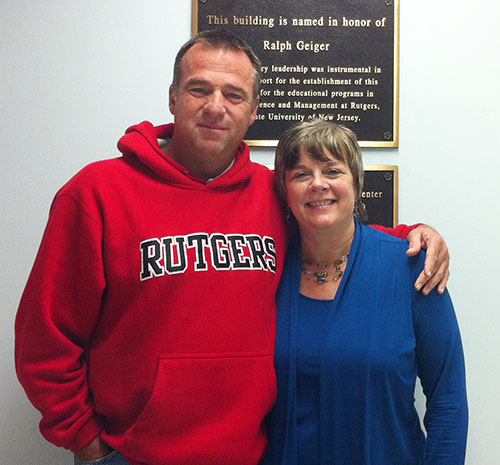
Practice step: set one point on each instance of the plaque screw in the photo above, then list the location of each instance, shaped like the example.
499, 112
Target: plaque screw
387, 2
388, 176
387, 135
205, 1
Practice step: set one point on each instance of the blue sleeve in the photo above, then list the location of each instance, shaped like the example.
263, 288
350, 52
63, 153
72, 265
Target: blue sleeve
441, 371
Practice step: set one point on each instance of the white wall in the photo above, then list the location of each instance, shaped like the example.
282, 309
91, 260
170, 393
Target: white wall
76, 74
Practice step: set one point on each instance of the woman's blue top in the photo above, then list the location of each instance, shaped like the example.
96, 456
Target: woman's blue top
312, 314
379, 334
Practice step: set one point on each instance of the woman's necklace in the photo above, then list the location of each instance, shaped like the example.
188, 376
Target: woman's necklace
321, 276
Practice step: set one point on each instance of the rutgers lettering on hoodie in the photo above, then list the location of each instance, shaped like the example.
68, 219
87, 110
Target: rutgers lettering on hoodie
149, 315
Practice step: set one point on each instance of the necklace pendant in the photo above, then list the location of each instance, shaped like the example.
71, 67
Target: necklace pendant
341, 260
337, 275
321, 277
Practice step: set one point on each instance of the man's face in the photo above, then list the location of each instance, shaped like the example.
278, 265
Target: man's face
213, 106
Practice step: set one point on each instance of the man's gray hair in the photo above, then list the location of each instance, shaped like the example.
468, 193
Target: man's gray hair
219, 38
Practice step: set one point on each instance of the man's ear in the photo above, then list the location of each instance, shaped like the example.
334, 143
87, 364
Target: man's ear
253, 115
172, 98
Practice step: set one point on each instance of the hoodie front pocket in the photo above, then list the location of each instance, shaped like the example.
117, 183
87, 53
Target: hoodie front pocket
205, 409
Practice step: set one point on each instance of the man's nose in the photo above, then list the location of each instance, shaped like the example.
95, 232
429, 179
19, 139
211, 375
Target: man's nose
214, 107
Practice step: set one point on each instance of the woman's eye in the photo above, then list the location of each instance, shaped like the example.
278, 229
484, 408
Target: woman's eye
299, 175
333, 172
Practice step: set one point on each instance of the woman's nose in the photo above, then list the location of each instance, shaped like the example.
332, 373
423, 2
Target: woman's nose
318, 182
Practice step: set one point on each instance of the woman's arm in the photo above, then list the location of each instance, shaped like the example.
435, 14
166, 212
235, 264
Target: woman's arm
442, 373
421, 236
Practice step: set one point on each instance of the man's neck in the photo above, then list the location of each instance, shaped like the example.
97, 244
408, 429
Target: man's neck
208, 177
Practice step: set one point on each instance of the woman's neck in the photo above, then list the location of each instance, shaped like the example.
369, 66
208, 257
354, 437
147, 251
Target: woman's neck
328, 245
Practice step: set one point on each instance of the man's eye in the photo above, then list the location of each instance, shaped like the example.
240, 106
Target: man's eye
198, 91
234, 97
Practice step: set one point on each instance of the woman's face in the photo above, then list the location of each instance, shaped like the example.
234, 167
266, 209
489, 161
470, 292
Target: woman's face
321, 194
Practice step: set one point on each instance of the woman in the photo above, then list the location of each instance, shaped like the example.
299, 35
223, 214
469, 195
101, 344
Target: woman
353, 334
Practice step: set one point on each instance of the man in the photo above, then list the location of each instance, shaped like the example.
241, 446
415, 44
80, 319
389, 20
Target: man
147, 324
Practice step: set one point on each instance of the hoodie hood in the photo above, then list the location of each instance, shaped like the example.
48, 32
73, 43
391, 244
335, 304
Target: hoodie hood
141, 142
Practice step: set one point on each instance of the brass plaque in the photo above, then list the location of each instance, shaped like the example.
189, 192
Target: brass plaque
380, 194
336, 60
